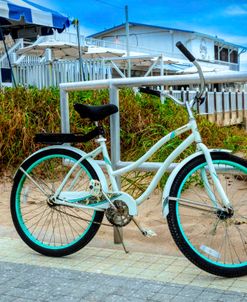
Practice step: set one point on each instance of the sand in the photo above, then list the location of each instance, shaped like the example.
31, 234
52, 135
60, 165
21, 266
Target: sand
149, 217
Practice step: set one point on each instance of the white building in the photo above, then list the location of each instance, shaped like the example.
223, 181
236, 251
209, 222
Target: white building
211, 51
152, 52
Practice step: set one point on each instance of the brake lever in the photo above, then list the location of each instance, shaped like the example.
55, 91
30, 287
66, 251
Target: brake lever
202, 100
199, 100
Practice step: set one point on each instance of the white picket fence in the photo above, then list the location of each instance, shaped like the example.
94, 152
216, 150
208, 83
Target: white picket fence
224, 108
46, 74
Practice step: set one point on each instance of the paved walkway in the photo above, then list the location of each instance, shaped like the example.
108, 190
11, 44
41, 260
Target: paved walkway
95, 274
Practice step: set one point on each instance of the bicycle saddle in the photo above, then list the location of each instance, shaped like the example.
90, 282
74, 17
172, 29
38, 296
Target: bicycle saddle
95, 113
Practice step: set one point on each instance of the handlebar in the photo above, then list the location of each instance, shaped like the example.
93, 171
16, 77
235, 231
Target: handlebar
158, 93
199, 97
147, 90
185, 51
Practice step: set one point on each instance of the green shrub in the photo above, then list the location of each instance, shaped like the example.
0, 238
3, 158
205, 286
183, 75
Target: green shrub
24, 112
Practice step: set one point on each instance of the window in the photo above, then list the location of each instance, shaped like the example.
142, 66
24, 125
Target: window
234, 57
216, 54
223, 54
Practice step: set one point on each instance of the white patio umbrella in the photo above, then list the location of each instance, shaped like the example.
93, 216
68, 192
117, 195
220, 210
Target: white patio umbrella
23, 18
60, 50
101, 52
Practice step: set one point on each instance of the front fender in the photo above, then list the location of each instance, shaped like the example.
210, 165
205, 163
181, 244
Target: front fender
175, 172
81, 153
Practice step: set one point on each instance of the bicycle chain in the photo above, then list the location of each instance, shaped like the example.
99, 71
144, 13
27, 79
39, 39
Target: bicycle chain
84, 219
105, 224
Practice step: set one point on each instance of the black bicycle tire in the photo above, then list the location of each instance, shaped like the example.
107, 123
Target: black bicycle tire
174, 225
94, 225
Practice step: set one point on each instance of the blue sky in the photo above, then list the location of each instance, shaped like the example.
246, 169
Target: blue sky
226, 19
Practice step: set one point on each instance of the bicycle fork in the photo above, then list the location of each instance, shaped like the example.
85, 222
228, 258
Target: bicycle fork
211, 168
227, 204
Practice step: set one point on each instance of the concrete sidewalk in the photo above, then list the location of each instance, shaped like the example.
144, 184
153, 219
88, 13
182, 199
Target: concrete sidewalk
95, 274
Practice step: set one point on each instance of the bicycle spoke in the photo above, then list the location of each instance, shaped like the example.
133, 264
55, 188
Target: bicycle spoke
216, 233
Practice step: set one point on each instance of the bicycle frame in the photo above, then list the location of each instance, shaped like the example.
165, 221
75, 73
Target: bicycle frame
193, 137
205, 227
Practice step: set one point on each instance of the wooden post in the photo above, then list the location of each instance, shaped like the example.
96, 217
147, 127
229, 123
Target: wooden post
206, 104
237, 109
244, 107
187, 94
182, 94
230, 106
215, 106
223, 107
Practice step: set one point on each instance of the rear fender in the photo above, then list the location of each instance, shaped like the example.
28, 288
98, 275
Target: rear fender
175, 172
81, 153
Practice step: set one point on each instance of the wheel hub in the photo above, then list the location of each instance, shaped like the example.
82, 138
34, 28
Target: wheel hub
225, 213
51, 202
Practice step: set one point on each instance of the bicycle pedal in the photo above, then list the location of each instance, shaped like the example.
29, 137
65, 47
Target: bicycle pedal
148, 233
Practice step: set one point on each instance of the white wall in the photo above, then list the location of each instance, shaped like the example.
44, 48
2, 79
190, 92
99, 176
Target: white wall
165, 41
203, 48
154, 40
149, 38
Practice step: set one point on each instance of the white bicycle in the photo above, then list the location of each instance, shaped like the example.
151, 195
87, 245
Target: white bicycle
60, 195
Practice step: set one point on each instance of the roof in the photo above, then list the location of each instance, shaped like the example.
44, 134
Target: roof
136, 24
215, 38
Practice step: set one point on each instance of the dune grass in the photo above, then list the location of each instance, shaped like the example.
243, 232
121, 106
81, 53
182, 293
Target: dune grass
144, 120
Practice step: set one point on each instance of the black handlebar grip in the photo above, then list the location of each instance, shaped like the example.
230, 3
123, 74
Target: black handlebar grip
185, 51
149, 91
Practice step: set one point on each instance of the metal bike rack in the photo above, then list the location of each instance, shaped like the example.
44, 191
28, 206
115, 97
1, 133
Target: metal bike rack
115, 84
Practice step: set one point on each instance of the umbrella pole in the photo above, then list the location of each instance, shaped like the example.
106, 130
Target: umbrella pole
76, 23
7, 54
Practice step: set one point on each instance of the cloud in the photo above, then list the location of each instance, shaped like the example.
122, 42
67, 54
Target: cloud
236, 10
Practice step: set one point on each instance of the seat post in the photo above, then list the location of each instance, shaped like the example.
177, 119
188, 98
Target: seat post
100, 128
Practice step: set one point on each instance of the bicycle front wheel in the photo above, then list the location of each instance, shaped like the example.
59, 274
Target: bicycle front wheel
50, 229
212, 238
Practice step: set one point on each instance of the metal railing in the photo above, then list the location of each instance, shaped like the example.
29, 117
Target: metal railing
4, 63
115, 84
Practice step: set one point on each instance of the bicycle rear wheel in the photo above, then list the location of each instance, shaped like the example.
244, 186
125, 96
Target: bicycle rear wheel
213, 239
53, 230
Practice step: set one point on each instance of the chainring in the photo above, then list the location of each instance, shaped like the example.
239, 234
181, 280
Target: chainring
118, 214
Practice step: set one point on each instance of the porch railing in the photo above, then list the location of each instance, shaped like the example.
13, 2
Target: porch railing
224, 108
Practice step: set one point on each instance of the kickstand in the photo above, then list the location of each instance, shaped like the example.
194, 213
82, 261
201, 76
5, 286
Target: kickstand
121, 239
